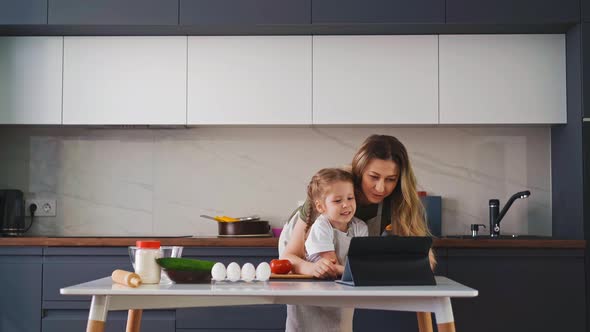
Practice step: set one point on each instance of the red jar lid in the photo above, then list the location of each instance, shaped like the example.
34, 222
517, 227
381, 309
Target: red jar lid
148, 244
422, 194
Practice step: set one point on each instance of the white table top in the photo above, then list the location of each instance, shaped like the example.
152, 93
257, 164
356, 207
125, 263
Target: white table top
444, 288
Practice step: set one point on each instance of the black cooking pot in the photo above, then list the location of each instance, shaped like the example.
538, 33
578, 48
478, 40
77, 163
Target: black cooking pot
244, 228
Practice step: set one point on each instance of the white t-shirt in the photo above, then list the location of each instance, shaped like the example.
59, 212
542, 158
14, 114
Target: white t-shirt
321, 236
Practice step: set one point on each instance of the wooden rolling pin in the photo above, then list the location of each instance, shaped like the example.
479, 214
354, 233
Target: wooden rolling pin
126, 278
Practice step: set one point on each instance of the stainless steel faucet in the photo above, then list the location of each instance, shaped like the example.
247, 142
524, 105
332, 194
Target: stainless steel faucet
496, 217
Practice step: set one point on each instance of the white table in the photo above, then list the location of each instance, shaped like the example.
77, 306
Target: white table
107, 295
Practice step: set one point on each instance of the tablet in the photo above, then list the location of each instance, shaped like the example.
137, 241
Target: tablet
388, 261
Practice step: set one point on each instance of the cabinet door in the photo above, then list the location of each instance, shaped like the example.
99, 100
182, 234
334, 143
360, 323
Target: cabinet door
31, 85
65, 267
249, 80
502, 79
76, 320
231, 12
378, 11
513, 11
519, 290
113, 12
23, 11
375, 80
20, 286
124, 80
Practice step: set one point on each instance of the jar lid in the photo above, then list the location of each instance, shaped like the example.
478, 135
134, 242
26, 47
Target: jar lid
148, 244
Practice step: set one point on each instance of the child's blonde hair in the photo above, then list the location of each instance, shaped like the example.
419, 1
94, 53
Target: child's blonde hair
318, 187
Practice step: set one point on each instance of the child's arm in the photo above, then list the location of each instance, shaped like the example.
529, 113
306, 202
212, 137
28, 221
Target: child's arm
295, 252
331, 256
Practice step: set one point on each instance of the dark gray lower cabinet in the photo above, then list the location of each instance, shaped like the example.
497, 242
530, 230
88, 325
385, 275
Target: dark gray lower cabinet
65, 320
254, 317
243, 318
64, 267
520, 289
68, 266
20, 289
381, 320
226, 330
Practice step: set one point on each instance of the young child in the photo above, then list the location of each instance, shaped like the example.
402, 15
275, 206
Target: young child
331, 192
331, 224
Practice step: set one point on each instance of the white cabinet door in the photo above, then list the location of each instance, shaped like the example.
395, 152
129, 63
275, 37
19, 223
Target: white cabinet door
497, 79
124, 80
30, 80
249, 80
375, 80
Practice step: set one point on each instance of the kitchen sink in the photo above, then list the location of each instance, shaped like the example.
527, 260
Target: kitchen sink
501, 237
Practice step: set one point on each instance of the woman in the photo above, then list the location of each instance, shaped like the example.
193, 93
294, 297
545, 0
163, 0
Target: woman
385, 189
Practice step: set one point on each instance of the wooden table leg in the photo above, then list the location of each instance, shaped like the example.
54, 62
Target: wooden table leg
98, 313
446, 327
424, 321
134, 320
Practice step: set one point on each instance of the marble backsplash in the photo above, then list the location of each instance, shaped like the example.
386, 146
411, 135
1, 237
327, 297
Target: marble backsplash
140, 181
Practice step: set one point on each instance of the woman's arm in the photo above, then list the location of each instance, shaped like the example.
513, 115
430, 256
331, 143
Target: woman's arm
295, 252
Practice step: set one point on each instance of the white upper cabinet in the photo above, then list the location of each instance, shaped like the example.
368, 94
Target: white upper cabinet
30, 80
124, 80
249, 80
502, 79
375, 79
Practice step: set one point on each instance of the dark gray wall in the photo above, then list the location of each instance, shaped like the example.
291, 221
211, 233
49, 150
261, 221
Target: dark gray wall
566, 151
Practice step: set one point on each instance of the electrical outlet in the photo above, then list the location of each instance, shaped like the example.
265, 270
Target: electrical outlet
45, 207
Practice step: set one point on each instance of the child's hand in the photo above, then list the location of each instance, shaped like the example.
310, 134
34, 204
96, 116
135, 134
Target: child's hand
325, 268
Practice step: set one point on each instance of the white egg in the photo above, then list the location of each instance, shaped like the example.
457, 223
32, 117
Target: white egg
218, 272
248, 272
233, 271
263, 271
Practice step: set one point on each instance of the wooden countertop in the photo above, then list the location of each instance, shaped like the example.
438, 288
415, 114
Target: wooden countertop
272, 242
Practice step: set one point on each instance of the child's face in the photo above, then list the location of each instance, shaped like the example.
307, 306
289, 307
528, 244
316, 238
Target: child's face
339, 204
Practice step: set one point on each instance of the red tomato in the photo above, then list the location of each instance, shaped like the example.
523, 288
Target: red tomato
280, 266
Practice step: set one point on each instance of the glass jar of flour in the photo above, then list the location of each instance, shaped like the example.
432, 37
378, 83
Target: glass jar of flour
145, 261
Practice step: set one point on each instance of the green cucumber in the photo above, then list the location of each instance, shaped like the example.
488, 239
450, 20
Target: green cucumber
185, 264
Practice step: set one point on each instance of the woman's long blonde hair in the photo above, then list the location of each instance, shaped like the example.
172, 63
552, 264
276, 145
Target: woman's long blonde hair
407, 211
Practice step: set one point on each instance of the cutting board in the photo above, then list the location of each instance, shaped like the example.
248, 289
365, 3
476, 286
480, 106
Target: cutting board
290, 276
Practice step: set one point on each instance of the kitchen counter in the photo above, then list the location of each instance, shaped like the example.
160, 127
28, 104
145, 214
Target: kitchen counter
272, 242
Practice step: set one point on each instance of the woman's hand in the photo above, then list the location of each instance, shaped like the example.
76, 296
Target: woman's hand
325, 269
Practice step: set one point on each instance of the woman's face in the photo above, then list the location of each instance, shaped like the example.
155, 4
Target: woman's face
379, 180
